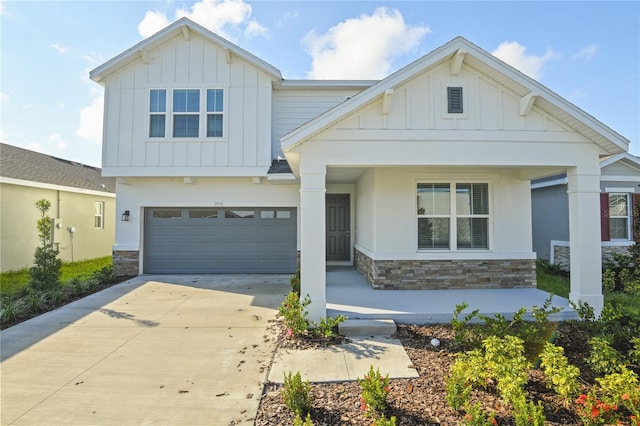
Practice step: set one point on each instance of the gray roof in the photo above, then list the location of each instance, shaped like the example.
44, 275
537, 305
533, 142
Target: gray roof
22, 164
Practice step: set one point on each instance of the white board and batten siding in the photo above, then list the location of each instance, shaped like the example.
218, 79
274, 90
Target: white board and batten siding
182, 64
421, 104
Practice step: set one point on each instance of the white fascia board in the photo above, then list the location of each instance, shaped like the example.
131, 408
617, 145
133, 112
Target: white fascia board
282, 179
554, 182
41, 185
185, 171
323, 84
133, 53
632, 160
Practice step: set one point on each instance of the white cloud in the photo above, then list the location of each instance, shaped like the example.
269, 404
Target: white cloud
90, 126
218, 16
516, 55
287, 18
152, 23
587, 53
363, 47
56, 140
60, 48
255, 29
4, 97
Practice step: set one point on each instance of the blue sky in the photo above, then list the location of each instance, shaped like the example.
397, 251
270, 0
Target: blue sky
587, 52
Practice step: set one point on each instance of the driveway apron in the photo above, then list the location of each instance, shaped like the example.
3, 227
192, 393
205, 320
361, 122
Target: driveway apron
172, 350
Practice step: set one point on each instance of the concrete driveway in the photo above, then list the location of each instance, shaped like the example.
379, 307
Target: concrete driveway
171, 350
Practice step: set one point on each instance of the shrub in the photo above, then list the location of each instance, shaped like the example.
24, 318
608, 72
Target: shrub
328, 327
383, 421
375, 389
294, 281
467, 372
593, 411
562, 377
465, 336
294, 314
603, 358
299, 422
11, 310
528, 413
296, 394
475, 416
45, 273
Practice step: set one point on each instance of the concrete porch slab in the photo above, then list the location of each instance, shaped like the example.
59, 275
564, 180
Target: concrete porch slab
349, 294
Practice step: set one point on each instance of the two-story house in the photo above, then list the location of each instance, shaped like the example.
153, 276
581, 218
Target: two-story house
421, 180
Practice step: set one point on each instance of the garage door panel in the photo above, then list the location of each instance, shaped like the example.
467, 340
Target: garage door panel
220, 240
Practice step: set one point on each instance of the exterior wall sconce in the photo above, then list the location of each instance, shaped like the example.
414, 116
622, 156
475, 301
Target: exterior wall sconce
125, 216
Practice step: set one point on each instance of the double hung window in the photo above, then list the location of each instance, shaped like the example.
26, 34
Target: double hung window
619, 216
453, 216
194, 113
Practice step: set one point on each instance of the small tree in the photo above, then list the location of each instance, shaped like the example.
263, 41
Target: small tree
45, 274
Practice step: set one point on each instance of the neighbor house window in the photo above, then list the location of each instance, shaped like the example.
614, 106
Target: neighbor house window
157, 113
186, 113
453, 216
619, 216
98, 216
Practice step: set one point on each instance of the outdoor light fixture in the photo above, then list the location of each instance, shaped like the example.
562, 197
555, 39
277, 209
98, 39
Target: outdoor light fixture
125, 216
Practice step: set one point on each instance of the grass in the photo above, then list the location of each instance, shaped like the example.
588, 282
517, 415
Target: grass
553, 284
12, 282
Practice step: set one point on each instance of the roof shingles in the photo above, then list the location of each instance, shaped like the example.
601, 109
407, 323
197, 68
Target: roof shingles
22, 164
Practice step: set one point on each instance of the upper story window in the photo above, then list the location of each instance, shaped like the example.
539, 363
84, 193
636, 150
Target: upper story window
195, 113
186, 113
98, 215
453, 216
214, 112
157, 113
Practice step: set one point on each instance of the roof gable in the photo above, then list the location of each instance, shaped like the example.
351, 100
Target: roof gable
457, 52
181, 28
621, 164
25, 165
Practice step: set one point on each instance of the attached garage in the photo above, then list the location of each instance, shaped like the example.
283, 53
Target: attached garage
219, 240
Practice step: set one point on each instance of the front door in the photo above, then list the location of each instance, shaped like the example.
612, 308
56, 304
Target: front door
338, 227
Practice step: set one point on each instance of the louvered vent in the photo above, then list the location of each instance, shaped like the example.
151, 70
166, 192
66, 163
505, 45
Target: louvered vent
454, 95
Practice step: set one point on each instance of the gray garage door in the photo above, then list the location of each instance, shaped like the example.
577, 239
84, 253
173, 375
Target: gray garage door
220, 240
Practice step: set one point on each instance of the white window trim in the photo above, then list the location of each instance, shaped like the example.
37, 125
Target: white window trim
629, 215
202, 114
101, 215
452, 216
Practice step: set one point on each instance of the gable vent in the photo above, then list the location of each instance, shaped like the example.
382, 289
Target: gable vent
454, 96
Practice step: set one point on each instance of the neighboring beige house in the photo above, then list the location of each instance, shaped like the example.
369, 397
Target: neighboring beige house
82, 206
420, 180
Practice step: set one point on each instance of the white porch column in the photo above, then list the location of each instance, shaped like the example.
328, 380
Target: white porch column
584, 236
312, 238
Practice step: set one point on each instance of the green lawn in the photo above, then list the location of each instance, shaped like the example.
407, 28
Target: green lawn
12, 282
554, 284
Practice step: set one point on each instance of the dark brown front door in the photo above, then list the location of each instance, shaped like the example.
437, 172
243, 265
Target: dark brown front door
338, 227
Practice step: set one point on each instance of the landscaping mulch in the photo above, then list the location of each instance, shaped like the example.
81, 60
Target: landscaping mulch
421, 401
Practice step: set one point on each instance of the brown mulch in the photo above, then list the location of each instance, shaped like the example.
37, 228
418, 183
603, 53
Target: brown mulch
421, 401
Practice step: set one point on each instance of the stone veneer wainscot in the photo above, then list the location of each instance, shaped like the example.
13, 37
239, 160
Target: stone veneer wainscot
126, 262
446, 274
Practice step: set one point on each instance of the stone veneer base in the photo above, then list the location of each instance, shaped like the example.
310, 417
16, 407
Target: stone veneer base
446, 274
126, 262
561, 254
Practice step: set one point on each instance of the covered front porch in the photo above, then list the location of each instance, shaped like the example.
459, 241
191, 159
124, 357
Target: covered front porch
349, 294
